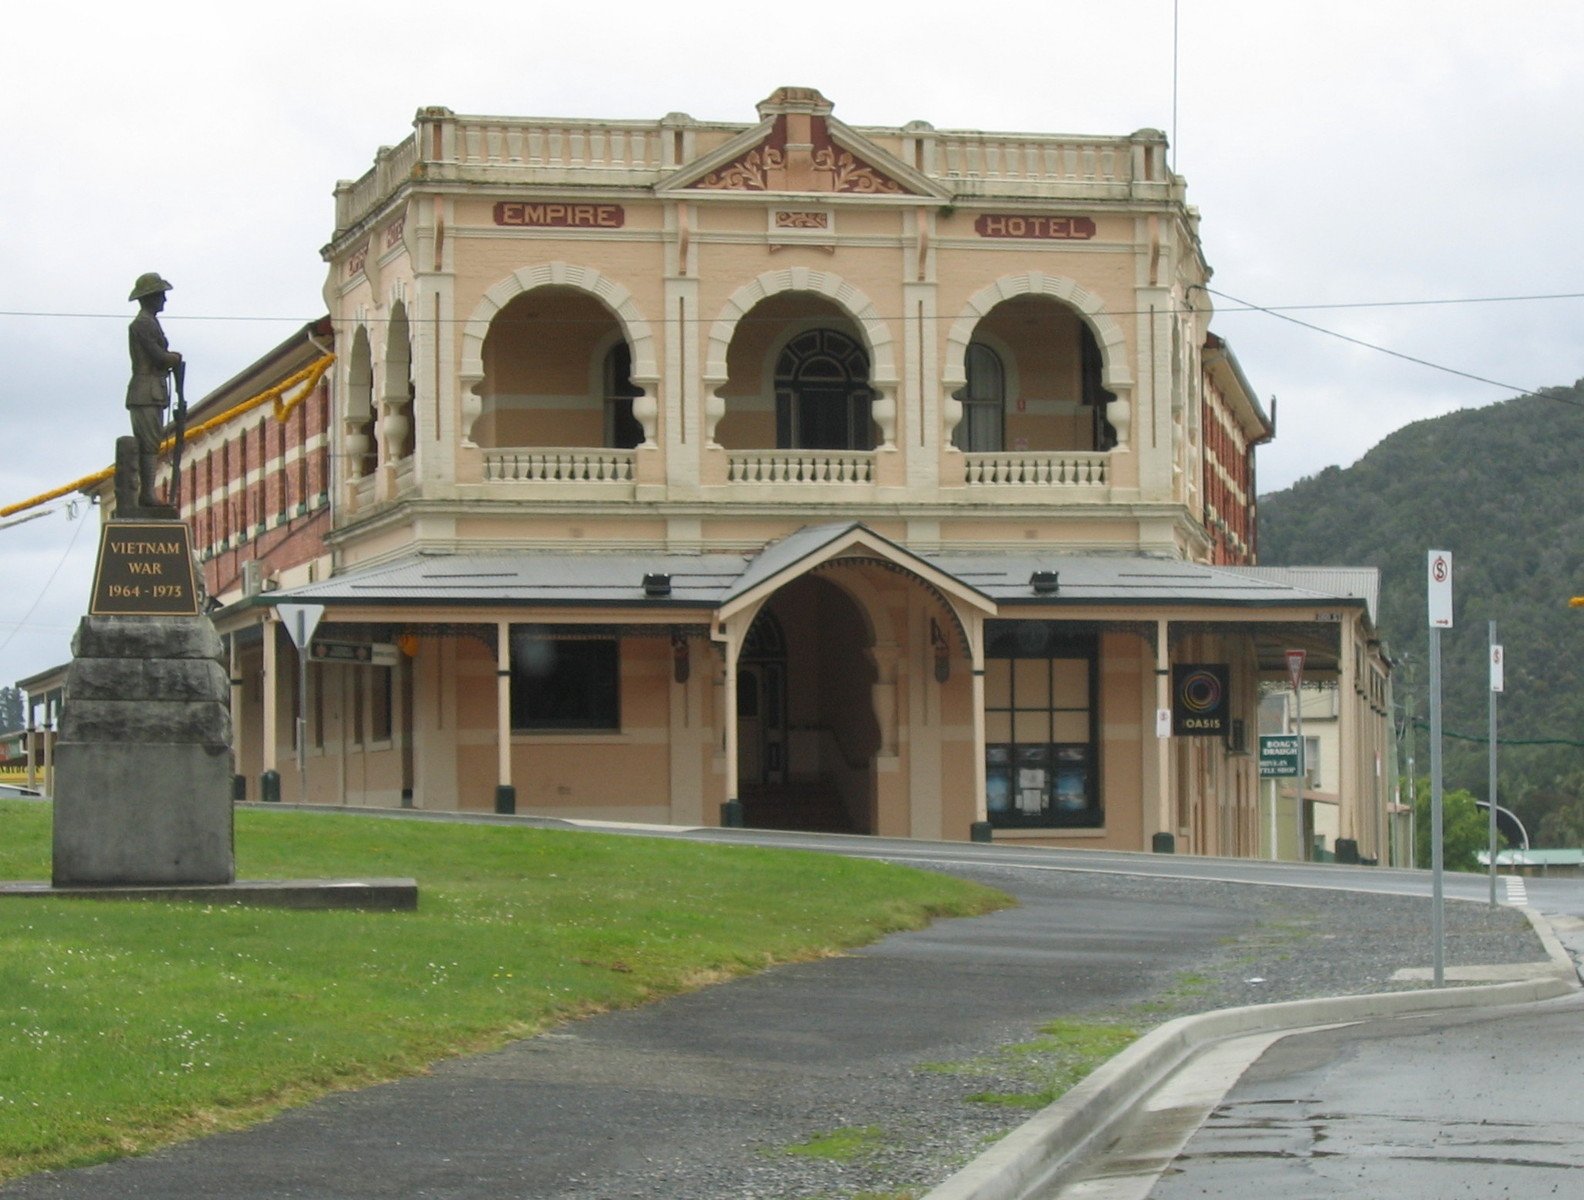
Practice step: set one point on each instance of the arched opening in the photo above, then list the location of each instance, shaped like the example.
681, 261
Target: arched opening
557, 372
822, 393
397, 425
1045, 381
807, 731
983, 425
799, 379
623, 431
359, 420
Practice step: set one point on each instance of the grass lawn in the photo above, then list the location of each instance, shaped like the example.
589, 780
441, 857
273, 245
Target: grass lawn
129, 1025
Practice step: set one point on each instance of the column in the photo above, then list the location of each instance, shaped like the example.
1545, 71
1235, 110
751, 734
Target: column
1165, 819
505, 793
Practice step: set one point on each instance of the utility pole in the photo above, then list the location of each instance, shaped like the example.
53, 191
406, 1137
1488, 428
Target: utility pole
1495, 687
1439, 607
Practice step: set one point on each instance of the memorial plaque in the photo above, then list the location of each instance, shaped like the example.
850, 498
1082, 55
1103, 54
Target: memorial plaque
145, 569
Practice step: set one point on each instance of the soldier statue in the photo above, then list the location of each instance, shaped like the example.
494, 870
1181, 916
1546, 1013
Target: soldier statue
149, 394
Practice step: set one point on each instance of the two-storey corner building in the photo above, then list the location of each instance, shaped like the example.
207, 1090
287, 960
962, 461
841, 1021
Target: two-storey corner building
811, 475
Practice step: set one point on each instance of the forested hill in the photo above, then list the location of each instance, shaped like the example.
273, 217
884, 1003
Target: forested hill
1500, 487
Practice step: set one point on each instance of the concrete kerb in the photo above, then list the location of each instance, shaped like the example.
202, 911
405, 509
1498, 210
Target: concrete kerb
1045, 1150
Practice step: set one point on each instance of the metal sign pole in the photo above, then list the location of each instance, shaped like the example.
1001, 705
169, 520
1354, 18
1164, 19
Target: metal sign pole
1439, 607
1436, 912
302, 708
1271, 794
1495, 686
301, 620
1295, 666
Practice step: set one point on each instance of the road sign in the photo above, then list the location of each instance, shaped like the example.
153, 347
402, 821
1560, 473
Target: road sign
362, 653
300, 620
1279, 756
1496, 669
1440, 589
1295, 666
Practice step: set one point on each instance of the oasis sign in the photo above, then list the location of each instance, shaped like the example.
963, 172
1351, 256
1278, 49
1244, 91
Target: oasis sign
1199, 700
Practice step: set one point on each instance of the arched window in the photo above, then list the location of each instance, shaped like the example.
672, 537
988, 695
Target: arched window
360, 448
983, 424
1095, 396
822, 394
623, 431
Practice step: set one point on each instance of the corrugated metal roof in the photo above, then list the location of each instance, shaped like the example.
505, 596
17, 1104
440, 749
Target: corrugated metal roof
1359, 583
1099, 578
709, 580
532, 577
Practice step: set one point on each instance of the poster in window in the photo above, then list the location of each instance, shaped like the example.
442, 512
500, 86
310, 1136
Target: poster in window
1200, 706
1031, 783
1072, 789
998, 791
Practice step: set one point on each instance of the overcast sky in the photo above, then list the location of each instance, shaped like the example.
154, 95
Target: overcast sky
1344, 154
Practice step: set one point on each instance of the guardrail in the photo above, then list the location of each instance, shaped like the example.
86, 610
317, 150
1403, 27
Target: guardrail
800, 466
1037, 469
558, 465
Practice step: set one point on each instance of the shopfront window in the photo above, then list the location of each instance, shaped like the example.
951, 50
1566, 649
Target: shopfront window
1041, 715
564, 682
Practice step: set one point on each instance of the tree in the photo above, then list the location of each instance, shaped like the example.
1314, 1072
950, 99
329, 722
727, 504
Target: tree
11, 714
1465, 830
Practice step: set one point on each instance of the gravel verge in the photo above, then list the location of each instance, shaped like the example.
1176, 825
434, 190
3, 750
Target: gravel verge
1297, 944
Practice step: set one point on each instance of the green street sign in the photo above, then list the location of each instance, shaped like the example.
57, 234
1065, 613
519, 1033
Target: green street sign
1279, 755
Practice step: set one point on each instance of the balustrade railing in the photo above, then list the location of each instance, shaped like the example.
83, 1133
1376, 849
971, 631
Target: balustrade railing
1037, 469
580, 145
638, 153
799, 466
558, 465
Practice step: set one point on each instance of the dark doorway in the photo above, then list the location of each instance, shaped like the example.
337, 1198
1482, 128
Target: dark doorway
806, 730
822, 394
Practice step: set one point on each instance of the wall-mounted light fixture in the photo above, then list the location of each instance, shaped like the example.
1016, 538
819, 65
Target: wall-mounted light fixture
942, 652
1045, 583
681, 660
656, 586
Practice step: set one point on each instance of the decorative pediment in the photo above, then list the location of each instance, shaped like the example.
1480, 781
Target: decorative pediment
797, 147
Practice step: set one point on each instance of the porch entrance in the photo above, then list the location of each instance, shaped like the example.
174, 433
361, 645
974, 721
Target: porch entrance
806, 728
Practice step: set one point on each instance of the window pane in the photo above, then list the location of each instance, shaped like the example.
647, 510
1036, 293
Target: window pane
998, 727
381, 697
1072, 682
998, 683
1031, 728
1071, 727
1031, 683
563, 684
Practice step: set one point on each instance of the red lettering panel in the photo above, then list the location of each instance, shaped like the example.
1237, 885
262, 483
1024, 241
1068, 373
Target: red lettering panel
1016, 225
560, 216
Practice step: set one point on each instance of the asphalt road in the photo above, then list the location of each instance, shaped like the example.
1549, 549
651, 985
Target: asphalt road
686, 1097
1481, 1104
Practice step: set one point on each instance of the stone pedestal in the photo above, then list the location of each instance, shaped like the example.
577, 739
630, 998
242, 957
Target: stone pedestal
143, 761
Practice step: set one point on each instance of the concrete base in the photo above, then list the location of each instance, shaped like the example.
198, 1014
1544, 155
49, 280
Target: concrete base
386, 895
143, 765
143, 814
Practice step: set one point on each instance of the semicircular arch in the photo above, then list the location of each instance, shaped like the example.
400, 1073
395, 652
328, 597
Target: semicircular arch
850, 299
1115, 374
615, 297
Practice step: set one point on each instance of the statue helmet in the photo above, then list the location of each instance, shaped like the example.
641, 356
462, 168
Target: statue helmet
147, 284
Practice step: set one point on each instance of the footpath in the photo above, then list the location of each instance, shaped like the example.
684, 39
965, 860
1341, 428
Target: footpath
854, 1075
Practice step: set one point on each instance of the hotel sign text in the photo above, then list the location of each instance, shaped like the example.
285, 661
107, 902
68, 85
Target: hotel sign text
1017, 225
560, 216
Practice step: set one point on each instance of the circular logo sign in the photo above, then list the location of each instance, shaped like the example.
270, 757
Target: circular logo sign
1201, 691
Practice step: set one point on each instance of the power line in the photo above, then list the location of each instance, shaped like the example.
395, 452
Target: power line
1423, 362
37, 600
1241, 306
